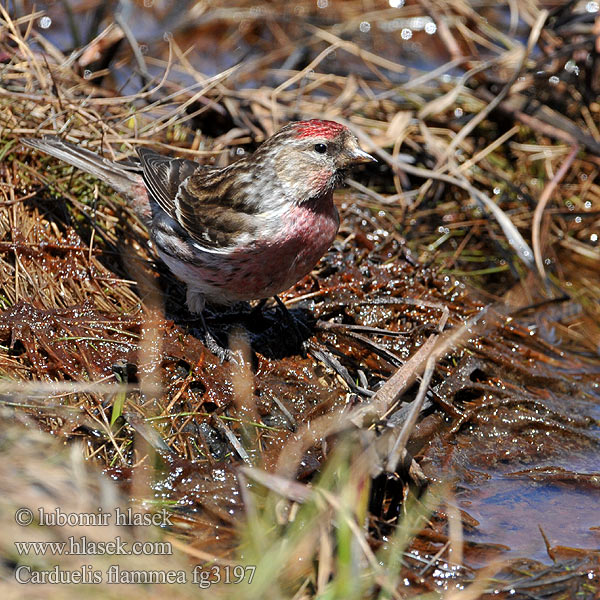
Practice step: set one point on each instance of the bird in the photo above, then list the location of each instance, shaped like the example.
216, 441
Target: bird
247, 231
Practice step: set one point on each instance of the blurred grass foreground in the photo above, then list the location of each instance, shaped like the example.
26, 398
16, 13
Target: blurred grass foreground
439, 437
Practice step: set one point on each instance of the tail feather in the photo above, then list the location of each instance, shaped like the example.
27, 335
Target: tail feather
122, 177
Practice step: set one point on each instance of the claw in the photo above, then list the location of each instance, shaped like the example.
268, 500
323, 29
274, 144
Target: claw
223, 354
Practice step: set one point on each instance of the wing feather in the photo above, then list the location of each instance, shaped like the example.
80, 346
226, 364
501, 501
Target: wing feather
163, 176
200, 199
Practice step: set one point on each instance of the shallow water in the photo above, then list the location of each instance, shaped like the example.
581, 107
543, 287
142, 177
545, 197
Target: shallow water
513, 513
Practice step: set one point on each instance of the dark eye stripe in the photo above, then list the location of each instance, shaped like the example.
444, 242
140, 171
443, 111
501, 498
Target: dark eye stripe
320, 148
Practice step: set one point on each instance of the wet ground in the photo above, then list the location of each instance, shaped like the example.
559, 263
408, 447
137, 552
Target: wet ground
524, 453
521, 445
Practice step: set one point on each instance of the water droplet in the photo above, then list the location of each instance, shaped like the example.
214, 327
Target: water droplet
45, 22
365, 27
430, 28
554, 80
571, 67
396, 3
592, 7
594, 237
458, 112
406, 33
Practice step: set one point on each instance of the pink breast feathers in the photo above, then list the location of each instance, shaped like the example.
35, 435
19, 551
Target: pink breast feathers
275, 264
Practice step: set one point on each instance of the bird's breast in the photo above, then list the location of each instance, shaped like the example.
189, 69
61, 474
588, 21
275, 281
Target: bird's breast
291, 247
307, 232
287, 245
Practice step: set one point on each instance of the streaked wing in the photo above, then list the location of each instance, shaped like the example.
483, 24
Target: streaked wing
211, 208
163, 176
205, 202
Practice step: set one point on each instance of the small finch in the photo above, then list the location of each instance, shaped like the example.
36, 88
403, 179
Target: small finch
244, 232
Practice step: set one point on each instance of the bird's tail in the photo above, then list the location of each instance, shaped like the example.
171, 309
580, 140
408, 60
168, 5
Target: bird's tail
124, 178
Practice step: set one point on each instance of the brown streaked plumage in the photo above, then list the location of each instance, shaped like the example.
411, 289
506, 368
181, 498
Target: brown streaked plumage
243, 232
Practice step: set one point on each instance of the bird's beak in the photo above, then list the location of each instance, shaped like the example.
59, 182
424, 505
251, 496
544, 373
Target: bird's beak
354, 155
359, 156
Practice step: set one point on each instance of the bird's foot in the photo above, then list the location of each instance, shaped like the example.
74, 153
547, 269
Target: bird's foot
222, 353
196, 302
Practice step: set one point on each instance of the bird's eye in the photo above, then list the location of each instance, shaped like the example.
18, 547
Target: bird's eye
320, 148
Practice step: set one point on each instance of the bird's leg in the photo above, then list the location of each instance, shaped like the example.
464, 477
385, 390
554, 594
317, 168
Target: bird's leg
256, 312
223, 354
196, 302
292, 323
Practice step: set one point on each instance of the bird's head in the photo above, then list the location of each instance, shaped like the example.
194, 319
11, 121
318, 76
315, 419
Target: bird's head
311, 158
